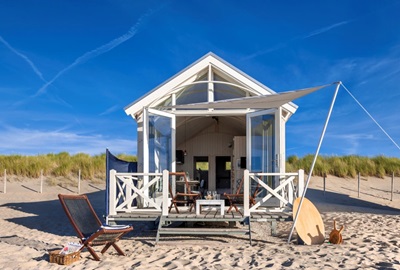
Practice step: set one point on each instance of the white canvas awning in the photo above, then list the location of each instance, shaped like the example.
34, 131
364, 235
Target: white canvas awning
255, 102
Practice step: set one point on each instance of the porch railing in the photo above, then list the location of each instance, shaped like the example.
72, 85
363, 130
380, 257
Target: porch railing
134, 192
129, 192
286, 191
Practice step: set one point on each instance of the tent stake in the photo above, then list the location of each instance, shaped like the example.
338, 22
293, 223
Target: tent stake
315, 159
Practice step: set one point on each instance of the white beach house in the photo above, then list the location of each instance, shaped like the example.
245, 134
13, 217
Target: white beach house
201, 121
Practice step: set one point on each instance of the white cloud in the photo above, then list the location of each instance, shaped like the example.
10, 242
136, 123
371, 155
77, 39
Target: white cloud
32, 142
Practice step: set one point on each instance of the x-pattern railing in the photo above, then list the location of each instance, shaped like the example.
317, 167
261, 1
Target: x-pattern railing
286, 191
127, 187
124, 188
280, 192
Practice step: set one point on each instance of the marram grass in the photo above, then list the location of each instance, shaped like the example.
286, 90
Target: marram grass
58, 165
94, 167
346, 166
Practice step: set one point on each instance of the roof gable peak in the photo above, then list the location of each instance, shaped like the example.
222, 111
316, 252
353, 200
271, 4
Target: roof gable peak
209, 63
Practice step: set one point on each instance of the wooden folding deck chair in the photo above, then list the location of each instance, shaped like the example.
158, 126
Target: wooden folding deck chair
88, 226
238, 197
187, 197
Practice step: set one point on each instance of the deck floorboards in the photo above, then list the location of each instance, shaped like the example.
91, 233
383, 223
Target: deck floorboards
206, 215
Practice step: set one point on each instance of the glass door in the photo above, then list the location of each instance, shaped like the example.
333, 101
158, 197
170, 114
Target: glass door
159, 141
262, 146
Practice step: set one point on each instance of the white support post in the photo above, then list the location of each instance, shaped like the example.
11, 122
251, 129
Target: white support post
246, 193
41, 181
5, 180
289, 192
79, 181
129, 192
165, 179
112, 191
300, 186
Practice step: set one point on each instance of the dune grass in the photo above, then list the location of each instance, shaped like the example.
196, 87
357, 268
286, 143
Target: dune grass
346, 166
94, 168
58, 165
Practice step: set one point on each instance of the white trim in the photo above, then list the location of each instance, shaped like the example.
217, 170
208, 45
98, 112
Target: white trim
145, 141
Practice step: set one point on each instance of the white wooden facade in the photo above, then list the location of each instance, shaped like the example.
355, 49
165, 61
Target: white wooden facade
207, 135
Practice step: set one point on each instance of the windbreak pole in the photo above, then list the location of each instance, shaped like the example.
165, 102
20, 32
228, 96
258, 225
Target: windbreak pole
315, 158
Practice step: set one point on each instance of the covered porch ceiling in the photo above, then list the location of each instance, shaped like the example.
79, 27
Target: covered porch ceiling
188, 127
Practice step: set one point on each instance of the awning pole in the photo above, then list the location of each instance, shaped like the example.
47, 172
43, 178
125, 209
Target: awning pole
315, 159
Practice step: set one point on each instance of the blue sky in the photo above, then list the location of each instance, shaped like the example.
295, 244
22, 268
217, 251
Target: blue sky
68, 68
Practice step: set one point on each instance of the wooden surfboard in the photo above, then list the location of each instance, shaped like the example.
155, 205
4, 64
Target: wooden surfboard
309, 225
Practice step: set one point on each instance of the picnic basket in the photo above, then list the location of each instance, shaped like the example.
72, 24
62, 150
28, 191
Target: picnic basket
64, 259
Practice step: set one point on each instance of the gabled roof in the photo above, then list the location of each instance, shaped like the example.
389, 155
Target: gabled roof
191, 73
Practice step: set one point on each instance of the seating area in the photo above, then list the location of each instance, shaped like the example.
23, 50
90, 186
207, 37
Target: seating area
90, 230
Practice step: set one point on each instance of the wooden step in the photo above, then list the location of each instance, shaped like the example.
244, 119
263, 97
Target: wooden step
202, 231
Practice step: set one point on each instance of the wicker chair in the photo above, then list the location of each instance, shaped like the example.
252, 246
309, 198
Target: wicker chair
88, 226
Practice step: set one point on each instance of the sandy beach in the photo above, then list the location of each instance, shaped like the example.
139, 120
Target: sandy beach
33, 223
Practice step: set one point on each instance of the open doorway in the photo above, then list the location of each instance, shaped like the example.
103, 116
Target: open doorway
200, 173
223, 174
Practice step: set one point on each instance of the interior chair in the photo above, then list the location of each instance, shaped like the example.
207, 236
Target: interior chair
189, 197
88, 226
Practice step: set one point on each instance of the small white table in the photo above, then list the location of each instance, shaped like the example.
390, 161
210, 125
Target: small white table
220, 203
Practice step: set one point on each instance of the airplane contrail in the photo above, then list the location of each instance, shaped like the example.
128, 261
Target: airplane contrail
96, 52
324, 29
284, 44
35, 69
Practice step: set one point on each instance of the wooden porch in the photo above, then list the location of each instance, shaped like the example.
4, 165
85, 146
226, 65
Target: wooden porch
145, 197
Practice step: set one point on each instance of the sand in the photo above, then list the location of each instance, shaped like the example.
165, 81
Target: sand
33, 223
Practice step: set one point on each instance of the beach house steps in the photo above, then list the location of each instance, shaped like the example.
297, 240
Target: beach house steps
208, 217
164, 227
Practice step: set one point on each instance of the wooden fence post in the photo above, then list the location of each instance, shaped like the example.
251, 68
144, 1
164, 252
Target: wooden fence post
41, 181
392, 187
79, 181
301, 183
324, 183
359, 185
5, 180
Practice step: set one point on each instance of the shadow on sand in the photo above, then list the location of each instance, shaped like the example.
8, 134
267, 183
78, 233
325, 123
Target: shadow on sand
48, 216
332, 201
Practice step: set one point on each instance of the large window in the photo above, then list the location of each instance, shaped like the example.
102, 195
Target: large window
194, 93
225, 91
